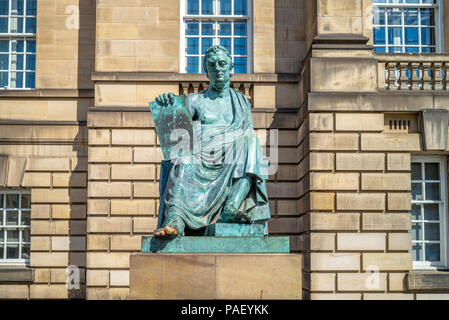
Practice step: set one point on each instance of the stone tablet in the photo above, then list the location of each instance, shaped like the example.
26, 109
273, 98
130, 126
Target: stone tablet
177, 133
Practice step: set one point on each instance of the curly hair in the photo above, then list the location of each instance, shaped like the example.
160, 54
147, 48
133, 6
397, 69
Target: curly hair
215, 49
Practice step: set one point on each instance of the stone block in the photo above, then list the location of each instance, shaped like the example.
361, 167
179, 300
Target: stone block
107, 293
43, 291
334, 181
119, 278
113, 155
99, 137
98, 278
146, 189
109, 189
399, 201
322, 201
133, 172
360, 201
144, 225
212, 276
321, 161
109, 225
388, 296
387, 261
98, 207
390, 142
107, 260
13, 291
126, 243
361, 241
36, 179
386, 222
400, 241
333, 141
40, 211
97, 242
397, 281
336, 296
386, 181
40, 244
52, 259
99, 172
133, 137
322, 241
334, 261
360, 161
322, 281
362, 281
334, 221
359, 122
321, 122
398, 161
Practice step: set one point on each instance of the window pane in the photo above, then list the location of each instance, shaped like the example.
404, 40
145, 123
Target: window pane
432, 212
31, 7
16, 62
225, 29
30, 81
30, 25
31, 62
240, 28
206, 43
12, 201
240, 46
432, 171
240, 65
411, 16
411, 36
193, 45
192, 29
380, 49
192, 65
17, 7
416, 171
226, 42
225, 7
240, 7
193, 7
25, 252
394, 16
25, 218
416, 231
395, 36
2, 251
417, 191
379, 16
12, 251
12, 235
31, 45
3, 25
412, 49
4, 62
432, 231
427, 36
417, 252
4, 46
2, 236
427, 17
3, 79
1, 203
16, 25
433, 252
12, 218
206, 7
432, 191
17, 45
26, 235
207, 29
4, 9
416, 212
379, 35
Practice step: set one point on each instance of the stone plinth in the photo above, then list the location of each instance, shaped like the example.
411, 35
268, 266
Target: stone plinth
216, 276
217, 245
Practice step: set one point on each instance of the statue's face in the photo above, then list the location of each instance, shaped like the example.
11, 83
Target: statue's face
218, 69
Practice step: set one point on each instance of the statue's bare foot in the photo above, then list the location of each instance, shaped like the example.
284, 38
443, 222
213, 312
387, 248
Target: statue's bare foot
166, 232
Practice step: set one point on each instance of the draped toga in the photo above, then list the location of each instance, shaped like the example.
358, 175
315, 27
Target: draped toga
196, 187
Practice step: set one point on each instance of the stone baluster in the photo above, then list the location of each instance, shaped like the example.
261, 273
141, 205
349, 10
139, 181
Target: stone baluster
247, 89
184, 88
196, 87
420, 76
431, 73
387, 76
397, 75
443, 74
409, 74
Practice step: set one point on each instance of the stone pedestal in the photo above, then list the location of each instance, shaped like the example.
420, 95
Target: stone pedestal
216, 276
232, 262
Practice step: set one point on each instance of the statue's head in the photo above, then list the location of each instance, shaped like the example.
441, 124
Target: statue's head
218, 66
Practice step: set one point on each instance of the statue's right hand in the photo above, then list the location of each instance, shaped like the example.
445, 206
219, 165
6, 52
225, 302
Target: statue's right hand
166, 99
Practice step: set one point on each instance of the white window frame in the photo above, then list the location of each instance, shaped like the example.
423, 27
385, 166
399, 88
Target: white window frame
18, 36
216, 17
15, 262
444, 234
439, 24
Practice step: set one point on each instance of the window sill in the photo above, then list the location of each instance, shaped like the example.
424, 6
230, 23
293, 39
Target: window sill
428, 280
9, 274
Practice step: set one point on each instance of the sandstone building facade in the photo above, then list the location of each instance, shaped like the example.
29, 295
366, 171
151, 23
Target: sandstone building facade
354, 90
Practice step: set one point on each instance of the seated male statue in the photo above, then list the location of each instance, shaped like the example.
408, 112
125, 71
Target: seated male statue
224, 184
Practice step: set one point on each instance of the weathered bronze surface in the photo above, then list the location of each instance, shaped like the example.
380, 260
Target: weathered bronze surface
213, 168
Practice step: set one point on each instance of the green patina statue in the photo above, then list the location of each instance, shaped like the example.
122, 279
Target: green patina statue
222, 178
